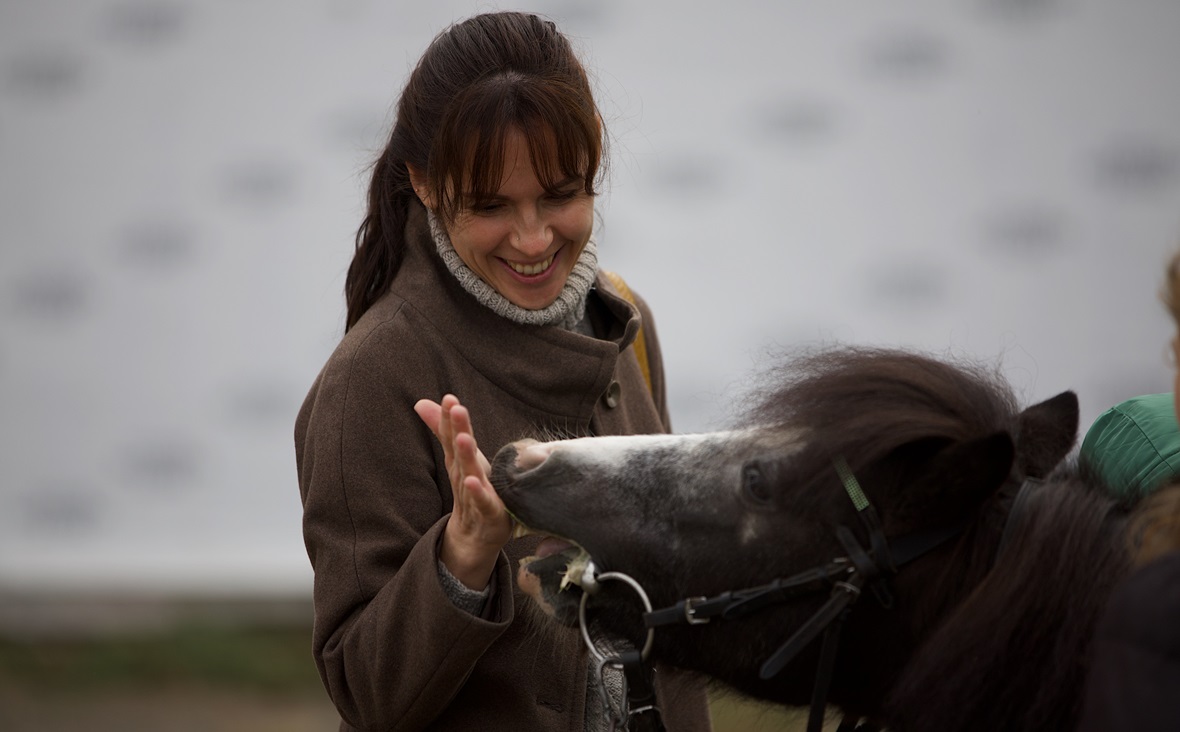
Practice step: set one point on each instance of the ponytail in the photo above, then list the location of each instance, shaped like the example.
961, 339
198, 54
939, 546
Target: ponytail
379, 240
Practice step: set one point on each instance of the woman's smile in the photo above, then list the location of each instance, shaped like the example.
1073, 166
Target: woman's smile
530, 271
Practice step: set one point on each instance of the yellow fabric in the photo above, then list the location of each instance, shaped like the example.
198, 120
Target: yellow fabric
640, 344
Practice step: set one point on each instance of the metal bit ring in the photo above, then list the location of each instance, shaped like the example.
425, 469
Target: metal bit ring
626, 579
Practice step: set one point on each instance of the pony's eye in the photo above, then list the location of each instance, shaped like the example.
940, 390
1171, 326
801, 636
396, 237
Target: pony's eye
754, 483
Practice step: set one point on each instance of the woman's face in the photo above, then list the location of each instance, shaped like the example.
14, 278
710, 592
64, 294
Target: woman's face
524, 242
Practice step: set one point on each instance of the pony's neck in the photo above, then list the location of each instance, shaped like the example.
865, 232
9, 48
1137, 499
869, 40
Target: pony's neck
1014, 654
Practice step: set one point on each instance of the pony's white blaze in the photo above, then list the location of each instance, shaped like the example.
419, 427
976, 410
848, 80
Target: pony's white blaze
615, 454
611, 452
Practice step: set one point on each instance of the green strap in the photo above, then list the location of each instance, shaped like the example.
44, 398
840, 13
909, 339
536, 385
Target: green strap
851, 486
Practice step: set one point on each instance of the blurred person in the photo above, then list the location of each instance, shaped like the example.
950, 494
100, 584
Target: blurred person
475, 276
1134, 682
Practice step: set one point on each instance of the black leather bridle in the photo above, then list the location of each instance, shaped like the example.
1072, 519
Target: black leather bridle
844, 578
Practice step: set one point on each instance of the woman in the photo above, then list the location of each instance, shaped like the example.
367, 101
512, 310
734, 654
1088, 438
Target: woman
475, 276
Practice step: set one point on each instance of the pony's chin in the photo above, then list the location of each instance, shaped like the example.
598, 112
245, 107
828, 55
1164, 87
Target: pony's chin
541, 578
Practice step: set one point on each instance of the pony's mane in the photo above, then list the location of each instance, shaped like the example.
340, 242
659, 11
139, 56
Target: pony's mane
1014, 655
863, 403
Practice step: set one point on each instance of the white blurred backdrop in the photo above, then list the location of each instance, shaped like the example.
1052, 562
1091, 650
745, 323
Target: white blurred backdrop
180, 182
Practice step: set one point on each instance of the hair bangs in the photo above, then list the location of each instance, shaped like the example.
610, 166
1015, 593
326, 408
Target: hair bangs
563, 134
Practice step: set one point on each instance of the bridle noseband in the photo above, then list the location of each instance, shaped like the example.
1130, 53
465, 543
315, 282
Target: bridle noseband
844, 577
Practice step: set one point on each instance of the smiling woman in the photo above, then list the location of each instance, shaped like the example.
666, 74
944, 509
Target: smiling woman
475, 277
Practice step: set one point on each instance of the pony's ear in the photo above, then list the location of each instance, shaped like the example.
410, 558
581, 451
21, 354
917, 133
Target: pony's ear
1047, 433
957, 480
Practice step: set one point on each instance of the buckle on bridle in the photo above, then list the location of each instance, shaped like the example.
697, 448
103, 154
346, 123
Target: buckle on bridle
690, 611
851, 589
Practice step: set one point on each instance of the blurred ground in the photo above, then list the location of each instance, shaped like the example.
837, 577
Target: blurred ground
213, 667
154, 664
177, 709
192, 708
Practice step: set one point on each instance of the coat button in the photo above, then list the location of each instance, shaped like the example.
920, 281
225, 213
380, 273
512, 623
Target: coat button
613, 392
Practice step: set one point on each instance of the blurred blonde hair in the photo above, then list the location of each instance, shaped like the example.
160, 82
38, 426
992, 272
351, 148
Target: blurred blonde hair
1170, 294
1155, 527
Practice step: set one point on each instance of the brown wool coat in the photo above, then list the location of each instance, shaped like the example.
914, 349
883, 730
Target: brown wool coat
393, 651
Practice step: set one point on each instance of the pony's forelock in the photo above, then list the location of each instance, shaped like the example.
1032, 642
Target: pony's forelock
862, 403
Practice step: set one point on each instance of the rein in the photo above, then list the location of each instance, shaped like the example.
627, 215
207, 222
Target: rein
844, 578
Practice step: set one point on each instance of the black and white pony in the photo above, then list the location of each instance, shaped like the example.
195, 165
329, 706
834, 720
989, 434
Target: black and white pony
867, 470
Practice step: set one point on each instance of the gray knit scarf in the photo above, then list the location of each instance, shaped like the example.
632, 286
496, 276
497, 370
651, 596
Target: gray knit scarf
566, 311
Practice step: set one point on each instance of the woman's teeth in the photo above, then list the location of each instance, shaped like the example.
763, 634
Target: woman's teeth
531, 269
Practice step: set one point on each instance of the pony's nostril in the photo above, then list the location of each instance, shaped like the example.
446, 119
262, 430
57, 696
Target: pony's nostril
530, 453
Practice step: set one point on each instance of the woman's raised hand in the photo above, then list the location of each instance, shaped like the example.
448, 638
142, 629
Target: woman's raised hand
479, 525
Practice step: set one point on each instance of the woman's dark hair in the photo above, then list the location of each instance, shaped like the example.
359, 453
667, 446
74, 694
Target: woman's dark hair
478, 81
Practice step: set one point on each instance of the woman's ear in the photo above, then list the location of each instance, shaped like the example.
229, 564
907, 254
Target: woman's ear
421, 189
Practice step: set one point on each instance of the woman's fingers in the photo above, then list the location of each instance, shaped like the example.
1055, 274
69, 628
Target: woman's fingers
446, 433
464, 434
435, 417
479, 525
461, 418
476, 505
430, 413
475, 476
474, 468
478, 499
484, 511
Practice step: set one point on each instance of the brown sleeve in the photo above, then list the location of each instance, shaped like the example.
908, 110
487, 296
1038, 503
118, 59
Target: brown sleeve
391, 648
